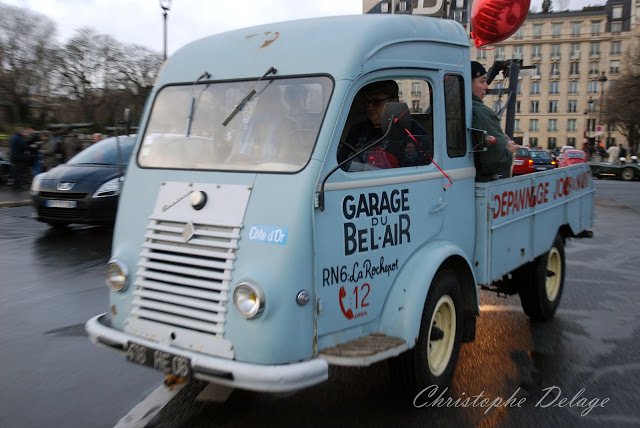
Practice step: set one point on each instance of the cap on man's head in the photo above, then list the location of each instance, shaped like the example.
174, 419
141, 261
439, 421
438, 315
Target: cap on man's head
477, 69
388, 87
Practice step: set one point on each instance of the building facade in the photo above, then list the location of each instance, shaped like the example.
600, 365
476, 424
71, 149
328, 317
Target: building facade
574, 56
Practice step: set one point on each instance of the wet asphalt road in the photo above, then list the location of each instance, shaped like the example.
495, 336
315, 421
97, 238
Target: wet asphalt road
52, 282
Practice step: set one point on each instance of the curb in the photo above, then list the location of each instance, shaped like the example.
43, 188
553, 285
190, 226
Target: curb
12, 204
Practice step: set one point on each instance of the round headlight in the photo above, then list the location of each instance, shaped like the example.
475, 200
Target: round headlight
249, 300
117, 275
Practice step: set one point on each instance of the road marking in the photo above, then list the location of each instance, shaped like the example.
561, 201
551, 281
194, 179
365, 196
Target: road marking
148, 408
514, 308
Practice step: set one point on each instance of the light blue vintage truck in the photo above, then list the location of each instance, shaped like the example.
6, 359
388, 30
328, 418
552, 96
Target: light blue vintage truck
250, 251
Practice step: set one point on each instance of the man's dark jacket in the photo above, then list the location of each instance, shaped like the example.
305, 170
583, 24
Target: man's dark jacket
363, 133
18, 148
497, 158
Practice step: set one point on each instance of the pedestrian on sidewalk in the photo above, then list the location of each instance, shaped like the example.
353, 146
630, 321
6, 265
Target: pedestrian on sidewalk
614, 154
71, 146
19, 148
48, 150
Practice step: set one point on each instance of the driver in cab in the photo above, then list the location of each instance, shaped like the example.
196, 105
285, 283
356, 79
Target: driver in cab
375, 96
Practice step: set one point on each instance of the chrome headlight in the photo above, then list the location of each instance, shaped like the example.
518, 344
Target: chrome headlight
249, 300
117, 275
110, 188
35, 184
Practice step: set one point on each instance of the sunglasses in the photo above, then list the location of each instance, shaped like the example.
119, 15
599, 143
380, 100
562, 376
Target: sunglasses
375, 102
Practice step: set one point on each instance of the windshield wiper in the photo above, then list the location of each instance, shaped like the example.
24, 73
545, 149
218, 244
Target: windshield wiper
193, 101
247, 98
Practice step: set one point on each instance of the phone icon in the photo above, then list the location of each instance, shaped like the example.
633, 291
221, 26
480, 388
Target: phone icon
348, 313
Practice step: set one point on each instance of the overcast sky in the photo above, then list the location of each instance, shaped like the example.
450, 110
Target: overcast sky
141, 22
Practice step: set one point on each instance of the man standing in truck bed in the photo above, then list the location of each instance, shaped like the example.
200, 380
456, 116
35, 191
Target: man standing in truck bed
495, 162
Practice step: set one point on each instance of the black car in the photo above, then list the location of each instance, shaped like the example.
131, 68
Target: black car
626, 171
542, 160
86, 188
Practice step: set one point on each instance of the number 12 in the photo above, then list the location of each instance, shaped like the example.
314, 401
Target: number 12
362, 287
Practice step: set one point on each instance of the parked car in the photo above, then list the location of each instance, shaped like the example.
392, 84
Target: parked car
565, 148
85, 189
628, 171
523, 162
5, 168
572, 157
542, 160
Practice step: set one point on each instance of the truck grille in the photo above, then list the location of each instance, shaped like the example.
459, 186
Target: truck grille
183, 275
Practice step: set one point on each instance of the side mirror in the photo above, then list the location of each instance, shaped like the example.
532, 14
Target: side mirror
481, 139
396, 117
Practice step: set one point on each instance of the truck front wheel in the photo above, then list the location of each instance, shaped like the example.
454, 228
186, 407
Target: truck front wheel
433, 360
541, 290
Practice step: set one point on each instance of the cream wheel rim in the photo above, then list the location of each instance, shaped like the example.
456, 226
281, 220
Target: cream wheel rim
444, 318
554, 274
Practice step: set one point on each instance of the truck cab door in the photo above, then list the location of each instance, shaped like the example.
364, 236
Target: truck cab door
377, 210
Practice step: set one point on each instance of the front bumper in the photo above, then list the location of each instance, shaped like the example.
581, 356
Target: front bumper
235, 374
88, 210
544, 167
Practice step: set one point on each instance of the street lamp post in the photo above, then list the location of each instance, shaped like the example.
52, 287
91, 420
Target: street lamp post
165, 5
602, 79
587, 128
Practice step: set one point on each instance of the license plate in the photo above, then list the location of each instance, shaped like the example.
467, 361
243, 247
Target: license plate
60, 204
540, 168
517, 162
160, 360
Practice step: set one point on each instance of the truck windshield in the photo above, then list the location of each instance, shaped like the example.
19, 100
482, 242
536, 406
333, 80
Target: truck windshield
275, 131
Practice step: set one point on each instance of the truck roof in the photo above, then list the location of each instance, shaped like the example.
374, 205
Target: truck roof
332, 45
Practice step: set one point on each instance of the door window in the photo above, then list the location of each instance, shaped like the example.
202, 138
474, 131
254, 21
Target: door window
365, 145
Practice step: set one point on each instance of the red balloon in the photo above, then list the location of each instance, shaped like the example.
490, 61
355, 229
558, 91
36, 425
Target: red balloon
493, 21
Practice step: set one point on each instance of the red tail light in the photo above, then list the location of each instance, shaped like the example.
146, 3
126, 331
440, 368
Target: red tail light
530, 161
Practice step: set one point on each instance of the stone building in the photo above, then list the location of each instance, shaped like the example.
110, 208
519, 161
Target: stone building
575, 55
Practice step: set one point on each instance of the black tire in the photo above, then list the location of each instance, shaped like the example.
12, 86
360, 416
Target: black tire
432, 361
542, 282
628, 174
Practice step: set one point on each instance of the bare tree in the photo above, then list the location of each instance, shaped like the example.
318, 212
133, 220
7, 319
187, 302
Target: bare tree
27, 50
137, 71
92, 78
621, 102
104, 76
86, 69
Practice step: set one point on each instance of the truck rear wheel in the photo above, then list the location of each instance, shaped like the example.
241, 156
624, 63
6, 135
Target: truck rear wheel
541, 289
433, 360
